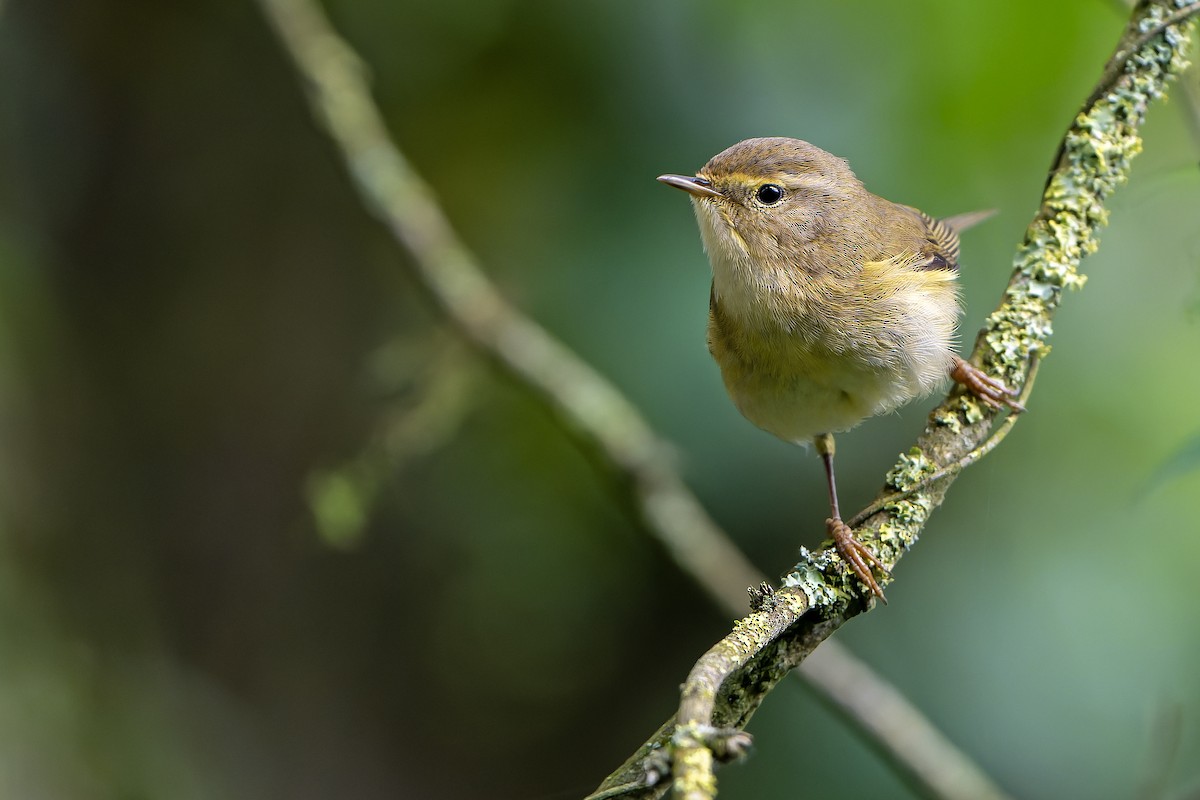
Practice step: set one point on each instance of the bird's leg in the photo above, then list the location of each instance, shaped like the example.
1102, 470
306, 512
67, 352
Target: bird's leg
992, 392
853, 552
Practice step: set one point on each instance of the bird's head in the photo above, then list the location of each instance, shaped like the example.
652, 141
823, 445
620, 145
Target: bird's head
763, 200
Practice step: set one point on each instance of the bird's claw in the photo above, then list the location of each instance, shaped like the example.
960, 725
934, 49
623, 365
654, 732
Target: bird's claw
991, 391
856, 555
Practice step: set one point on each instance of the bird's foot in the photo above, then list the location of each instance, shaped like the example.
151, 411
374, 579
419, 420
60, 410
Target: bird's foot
992, 392
856, 555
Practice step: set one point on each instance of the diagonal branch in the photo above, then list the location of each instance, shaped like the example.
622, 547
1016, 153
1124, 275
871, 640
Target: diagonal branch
596, 412
587, 403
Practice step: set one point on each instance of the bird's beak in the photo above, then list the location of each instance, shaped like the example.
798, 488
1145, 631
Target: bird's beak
700, 187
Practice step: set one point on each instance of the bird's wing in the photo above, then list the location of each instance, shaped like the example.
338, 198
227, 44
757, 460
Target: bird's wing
943, 241
939, 241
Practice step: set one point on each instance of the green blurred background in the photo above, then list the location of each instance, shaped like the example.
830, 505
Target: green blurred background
201, 330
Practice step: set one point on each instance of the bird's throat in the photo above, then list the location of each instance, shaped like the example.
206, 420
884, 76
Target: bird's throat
739, 285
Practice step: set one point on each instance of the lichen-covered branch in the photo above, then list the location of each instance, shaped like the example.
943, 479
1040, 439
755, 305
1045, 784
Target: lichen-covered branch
1093, 160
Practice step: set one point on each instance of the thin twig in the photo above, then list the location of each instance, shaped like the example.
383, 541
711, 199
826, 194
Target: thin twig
437, 398
595, 410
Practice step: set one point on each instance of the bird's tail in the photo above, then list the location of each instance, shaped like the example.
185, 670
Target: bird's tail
960, 222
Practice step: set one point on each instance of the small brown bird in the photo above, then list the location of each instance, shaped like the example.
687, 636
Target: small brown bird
828, 304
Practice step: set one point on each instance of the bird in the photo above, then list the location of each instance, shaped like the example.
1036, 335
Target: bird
828, 304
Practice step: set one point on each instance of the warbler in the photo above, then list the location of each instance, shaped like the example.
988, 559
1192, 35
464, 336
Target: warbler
829, 304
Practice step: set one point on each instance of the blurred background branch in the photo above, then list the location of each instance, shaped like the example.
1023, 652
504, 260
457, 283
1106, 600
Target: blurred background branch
430, 389
587, 403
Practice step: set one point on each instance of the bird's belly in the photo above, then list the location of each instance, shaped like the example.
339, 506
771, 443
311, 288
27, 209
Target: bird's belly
799, 404
797, 407
798, 382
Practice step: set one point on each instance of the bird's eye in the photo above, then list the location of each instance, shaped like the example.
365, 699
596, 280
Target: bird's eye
769, 194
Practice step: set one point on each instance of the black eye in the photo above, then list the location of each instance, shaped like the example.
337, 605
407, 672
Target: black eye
769, 194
